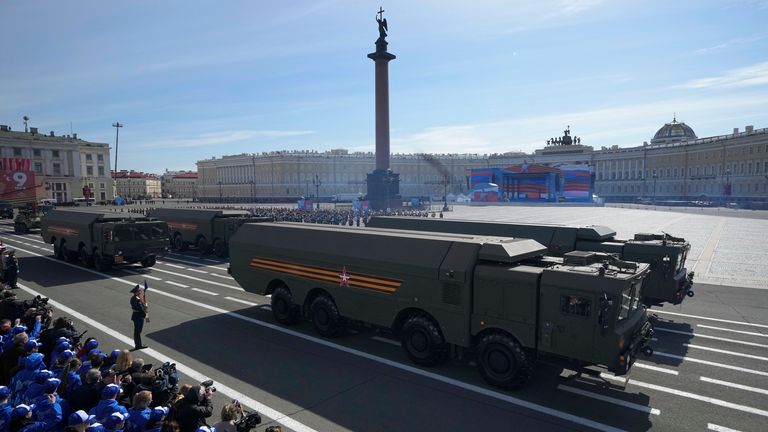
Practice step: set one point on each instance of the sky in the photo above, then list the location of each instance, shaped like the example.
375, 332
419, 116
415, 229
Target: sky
194, 79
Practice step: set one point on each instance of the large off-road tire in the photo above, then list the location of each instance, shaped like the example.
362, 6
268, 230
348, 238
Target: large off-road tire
63, 252
423, 342
502, 361
220, 248
148, 261
85, 260
178, 243
202, 246
284, 309
325, 316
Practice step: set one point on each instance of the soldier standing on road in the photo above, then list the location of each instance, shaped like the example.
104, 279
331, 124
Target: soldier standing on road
11, 269
138, 316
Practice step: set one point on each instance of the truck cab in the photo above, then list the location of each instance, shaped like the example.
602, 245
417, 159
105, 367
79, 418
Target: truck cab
129, 242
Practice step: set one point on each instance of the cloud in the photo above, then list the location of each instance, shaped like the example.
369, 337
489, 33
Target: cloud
222, 138
754, 75
731, 43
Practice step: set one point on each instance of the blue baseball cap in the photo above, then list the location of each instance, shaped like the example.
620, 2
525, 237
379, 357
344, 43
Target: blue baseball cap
110, 391
51, 385
91, 344
80, 417
32, 344
113, 420
158, 413
4, 391
20, 411
95, 427
43, 375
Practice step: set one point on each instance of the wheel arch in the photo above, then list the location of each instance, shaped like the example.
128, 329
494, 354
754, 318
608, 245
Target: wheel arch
312, 295
274, 284
403, 315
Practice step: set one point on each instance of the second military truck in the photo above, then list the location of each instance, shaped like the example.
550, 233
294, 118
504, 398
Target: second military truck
446, 294
104, 239
207, 230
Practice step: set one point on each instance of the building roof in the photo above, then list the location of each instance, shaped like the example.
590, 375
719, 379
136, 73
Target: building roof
186, 175
673, 132
135, 175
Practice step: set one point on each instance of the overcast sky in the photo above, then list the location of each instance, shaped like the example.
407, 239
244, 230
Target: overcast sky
194, 79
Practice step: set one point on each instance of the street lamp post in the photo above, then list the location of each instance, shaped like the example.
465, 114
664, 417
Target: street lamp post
221, 195
317, 182
654, 188
727, 188
253, 196
117, 126
306, 180
445, 193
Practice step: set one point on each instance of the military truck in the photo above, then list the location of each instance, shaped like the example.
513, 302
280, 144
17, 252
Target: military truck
207, 230
29, 218
445, 294
668, 282
6, 210
104, 239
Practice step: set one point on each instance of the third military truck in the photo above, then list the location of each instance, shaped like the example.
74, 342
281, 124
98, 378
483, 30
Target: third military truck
104, 239
668, 282
495, 299
206, 229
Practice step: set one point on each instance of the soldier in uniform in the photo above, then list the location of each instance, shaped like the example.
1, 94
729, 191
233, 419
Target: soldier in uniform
138, 316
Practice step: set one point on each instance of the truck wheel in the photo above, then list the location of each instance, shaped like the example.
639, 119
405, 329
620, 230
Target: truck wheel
148, 261
84, 258
219, 248
325, 316
502, 361
178, 243
423, 342
283, 308
202, 246
16, 228
63, 252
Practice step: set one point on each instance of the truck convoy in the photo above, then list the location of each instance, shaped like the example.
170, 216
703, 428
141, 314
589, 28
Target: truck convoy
207, 230
104, 239
668, 282
454, 295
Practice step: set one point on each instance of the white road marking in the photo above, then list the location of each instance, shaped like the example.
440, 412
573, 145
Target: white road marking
205, 291
709, 363
710, 319
726, 352
707, 399
176, 284
734, 385
200, 280
412, 369
732, 330
718, 428
221, 276
386, 340
142, 274
634, 406
655, 368
197, 271
172, 265
186, 370
194, 263
245, 302
698, 335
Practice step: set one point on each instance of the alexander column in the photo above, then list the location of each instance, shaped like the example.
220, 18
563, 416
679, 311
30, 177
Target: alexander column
383, 184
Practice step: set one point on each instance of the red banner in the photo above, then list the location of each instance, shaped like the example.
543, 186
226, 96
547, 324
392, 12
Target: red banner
18, 186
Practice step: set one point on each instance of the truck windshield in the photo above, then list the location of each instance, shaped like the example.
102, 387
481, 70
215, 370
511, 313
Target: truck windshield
681, 259
630, 299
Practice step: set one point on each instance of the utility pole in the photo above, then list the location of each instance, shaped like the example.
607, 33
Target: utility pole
317, 182
117, 126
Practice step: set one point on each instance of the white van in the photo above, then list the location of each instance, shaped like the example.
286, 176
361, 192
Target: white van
48, 201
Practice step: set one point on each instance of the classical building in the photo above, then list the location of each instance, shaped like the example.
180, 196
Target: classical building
137, 185
179, 184
676, 165
63, 167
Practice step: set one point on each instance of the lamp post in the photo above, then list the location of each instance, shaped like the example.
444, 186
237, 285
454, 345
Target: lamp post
445, 193
253, 196
306, 180
221, 195
654, 188
727, 188
317, 182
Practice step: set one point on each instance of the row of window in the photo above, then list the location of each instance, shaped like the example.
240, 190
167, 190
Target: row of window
730, 169
713, 189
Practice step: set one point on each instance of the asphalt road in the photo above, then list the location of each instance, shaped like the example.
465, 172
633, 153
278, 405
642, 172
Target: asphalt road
710, 366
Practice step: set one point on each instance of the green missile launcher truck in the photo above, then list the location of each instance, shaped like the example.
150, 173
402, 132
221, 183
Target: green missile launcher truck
668, 282
207, 230
104, 239
455, 295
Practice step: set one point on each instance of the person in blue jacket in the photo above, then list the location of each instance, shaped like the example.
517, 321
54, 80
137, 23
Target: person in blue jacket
47, 409
38, 385
5, 408
108, 405
21, 381
156, 419
8, 342
138, 415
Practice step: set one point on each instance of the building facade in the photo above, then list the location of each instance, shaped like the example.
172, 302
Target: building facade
179, 184
676, 165
64, 167
137, 185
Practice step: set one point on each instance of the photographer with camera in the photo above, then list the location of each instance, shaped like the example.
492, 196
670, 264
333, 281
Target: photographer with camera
195, 407
62, 327
230, 413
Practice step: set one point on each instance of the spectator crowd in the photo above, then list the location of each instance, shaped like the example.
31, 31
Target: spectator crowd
54, 379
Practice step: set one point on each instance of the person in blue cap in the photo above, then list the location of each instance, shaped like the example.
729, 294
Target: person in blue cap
139, 414
21, 381
115, 422
5, 408
95, 427
156, 419
108, 405
38, 385
78, 421
47, 409
8, 343
21, 417
70, 377
138, 316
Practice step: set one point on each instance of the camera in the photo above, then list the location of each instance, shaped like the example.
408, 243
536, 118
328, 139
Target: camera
208, 384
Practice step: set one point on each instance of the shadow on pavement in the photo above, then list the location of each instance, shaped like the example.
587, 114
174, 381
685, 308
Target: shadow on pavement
669, 349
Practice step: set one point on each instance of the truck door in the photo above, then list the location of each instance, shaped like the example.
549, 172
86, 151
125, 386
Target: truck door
567, 326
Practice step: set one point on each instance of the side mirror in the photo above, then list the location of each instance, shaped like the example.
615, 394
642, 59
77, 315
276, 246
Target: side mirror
606, 303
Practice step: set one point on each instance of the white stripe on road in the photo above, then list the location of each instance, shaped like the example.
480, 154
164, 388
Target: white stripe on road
221, 276
412, 369
172, 265
709, 363
698, 335
709, 319
193, 263
142, 274
707, 399
732, 331
634, 406
197, 271
726, 352
386, 340
734, 385
718, 428
235, 299
200, 280
176, 284
205, 292
186, 370
655, 368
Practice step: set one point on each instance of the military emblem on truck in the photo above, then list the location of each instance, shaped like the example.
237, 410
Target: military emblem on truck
349, 280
